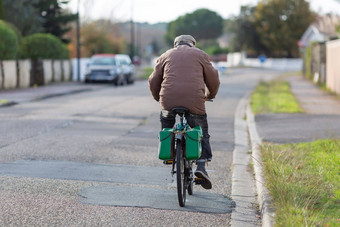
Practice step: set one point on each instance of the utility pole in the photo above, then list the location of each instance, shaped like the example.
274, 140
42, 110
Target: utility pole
132, 35
78, 42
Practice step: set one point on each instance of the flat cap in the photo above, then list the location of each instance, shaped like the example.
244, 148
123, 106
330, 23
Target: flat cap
184, 39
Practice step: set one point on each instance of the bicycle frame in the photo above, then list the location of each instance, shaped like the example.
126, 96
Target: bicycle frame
183, 166
179, 131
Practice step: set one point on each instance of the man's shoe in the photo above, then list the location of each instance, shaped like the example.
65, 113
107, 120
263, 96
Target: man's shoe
201, 173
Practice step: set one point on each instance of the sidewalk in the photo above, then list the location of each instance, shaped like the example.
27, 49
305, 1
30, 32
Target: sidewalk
320, 120
23, 95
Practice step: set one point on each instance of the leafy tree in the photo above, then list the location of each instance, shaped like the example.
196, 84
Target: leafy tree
23, 15
34, 16
243, 31
54, 18
280, 24
96, 39
2, 11
202, 24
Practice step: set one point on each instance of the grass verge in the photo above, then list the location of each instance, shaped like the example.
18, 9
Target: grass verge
304, 181
146, 73
274, 97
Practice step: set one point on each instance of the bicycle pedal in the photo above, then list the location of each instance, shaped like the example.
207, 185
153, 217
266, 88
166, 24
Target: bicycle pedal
198, 180
168, 162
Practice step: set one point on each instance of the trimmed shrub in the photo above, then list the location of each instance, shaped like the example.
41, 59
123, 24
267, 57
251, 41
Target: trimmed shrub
43, 46
9, 44
65, 52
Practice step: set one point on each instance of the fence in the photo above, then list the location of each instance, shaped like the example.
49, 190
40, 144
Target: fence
26, 73
333, 66
315, 63
282, 64
83, 63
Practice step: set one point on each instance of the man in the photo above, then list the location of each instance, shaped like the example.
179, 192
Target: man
179, 79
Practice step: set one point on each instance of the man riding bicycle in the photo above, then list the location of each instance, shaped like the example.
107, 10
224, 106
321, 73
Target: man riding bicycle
180, 79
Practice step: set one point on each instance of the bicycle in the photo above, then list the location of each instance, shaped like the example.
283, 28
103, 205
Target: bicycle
181, 147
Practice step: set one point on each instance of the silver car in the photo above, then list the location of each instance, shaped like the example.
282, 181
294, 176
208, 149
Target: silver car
127, 67
104, 68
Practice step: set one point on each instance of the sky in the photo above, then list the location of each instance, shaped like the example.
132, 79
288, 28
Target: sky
154, 11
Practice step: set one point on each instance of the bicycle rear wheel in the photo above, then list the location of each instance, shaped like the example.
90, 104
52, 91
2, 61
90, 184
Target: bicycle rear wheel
190, 181
181, 178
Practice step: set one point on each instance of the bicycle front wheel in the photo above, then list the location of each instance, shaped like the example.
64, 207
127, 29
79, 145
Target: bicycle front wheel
181, 179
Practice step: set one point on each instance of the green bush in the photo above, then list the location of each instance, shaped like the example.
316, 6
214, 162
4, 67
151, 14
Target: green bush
215, 50
43, 46
9, 44
65, 52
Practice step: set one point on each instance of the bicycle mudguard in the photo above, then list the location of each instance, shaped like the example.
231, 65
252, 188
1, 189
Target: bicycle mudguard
194, 143
165, 147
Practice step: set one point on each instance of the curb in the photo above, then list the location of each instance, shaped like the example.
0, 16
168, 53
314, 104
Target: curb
243, 190
264, 198
47, 96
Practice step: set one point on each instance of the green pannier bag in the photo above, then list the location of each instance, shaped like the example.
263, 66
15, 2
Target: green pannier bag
193, 143
165, 147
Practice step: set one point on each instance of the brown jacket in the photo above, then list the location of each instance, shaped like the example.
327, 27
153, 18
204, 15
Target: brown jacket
180, 77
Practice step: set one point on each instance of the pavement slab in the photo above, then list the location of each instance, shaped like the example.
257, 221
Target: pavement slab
297, 128
155, 198
66, 170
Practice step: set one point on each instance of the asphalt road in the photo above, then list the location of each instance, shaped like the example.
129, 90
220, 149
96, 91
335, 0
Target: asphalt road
91, 159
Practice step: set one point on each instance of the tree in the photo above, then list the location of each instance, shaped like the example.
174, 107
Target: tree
201, 24
96, 39
2, 11
280, 24
243, 31
23, 15
54, 19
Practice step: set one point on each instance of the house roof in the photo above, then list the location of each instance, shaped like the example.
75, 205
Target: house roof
327, 24
323, 29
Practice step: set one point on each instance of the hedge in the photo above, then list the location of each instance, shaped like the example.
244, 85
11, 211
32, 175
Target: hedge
9, 43
43, 46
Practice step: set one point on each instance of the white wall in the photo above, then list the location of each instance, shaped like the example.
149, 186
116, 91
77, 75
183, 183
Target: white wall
60, 67
83, 63
67, 69
57, 70
24, 73
48, 73
284, 64
10, 71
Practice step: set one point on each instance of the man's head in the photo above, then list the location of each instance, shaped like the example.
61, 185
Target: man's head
185, 39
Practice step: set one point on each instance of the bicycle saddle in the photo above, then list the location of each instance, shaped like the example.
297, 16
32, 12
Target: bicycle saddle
180, 110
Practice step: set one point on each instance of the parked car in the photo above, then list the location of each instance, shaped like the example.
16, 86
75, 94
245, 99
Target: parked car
127, 67
105, 67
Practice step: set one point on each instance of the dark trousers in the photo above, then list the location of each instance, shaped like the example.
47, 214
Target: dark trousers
168, 119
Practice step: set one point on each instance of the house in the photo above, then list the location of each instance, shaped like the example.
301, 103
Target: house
322, 30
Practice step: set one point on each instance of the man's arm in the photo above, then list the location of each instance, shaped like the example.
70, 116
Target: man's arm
210, 77
155, 80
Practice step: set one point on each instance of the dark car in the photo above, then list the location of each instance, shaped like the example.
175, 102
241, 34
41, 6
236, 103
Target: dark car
104, 68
